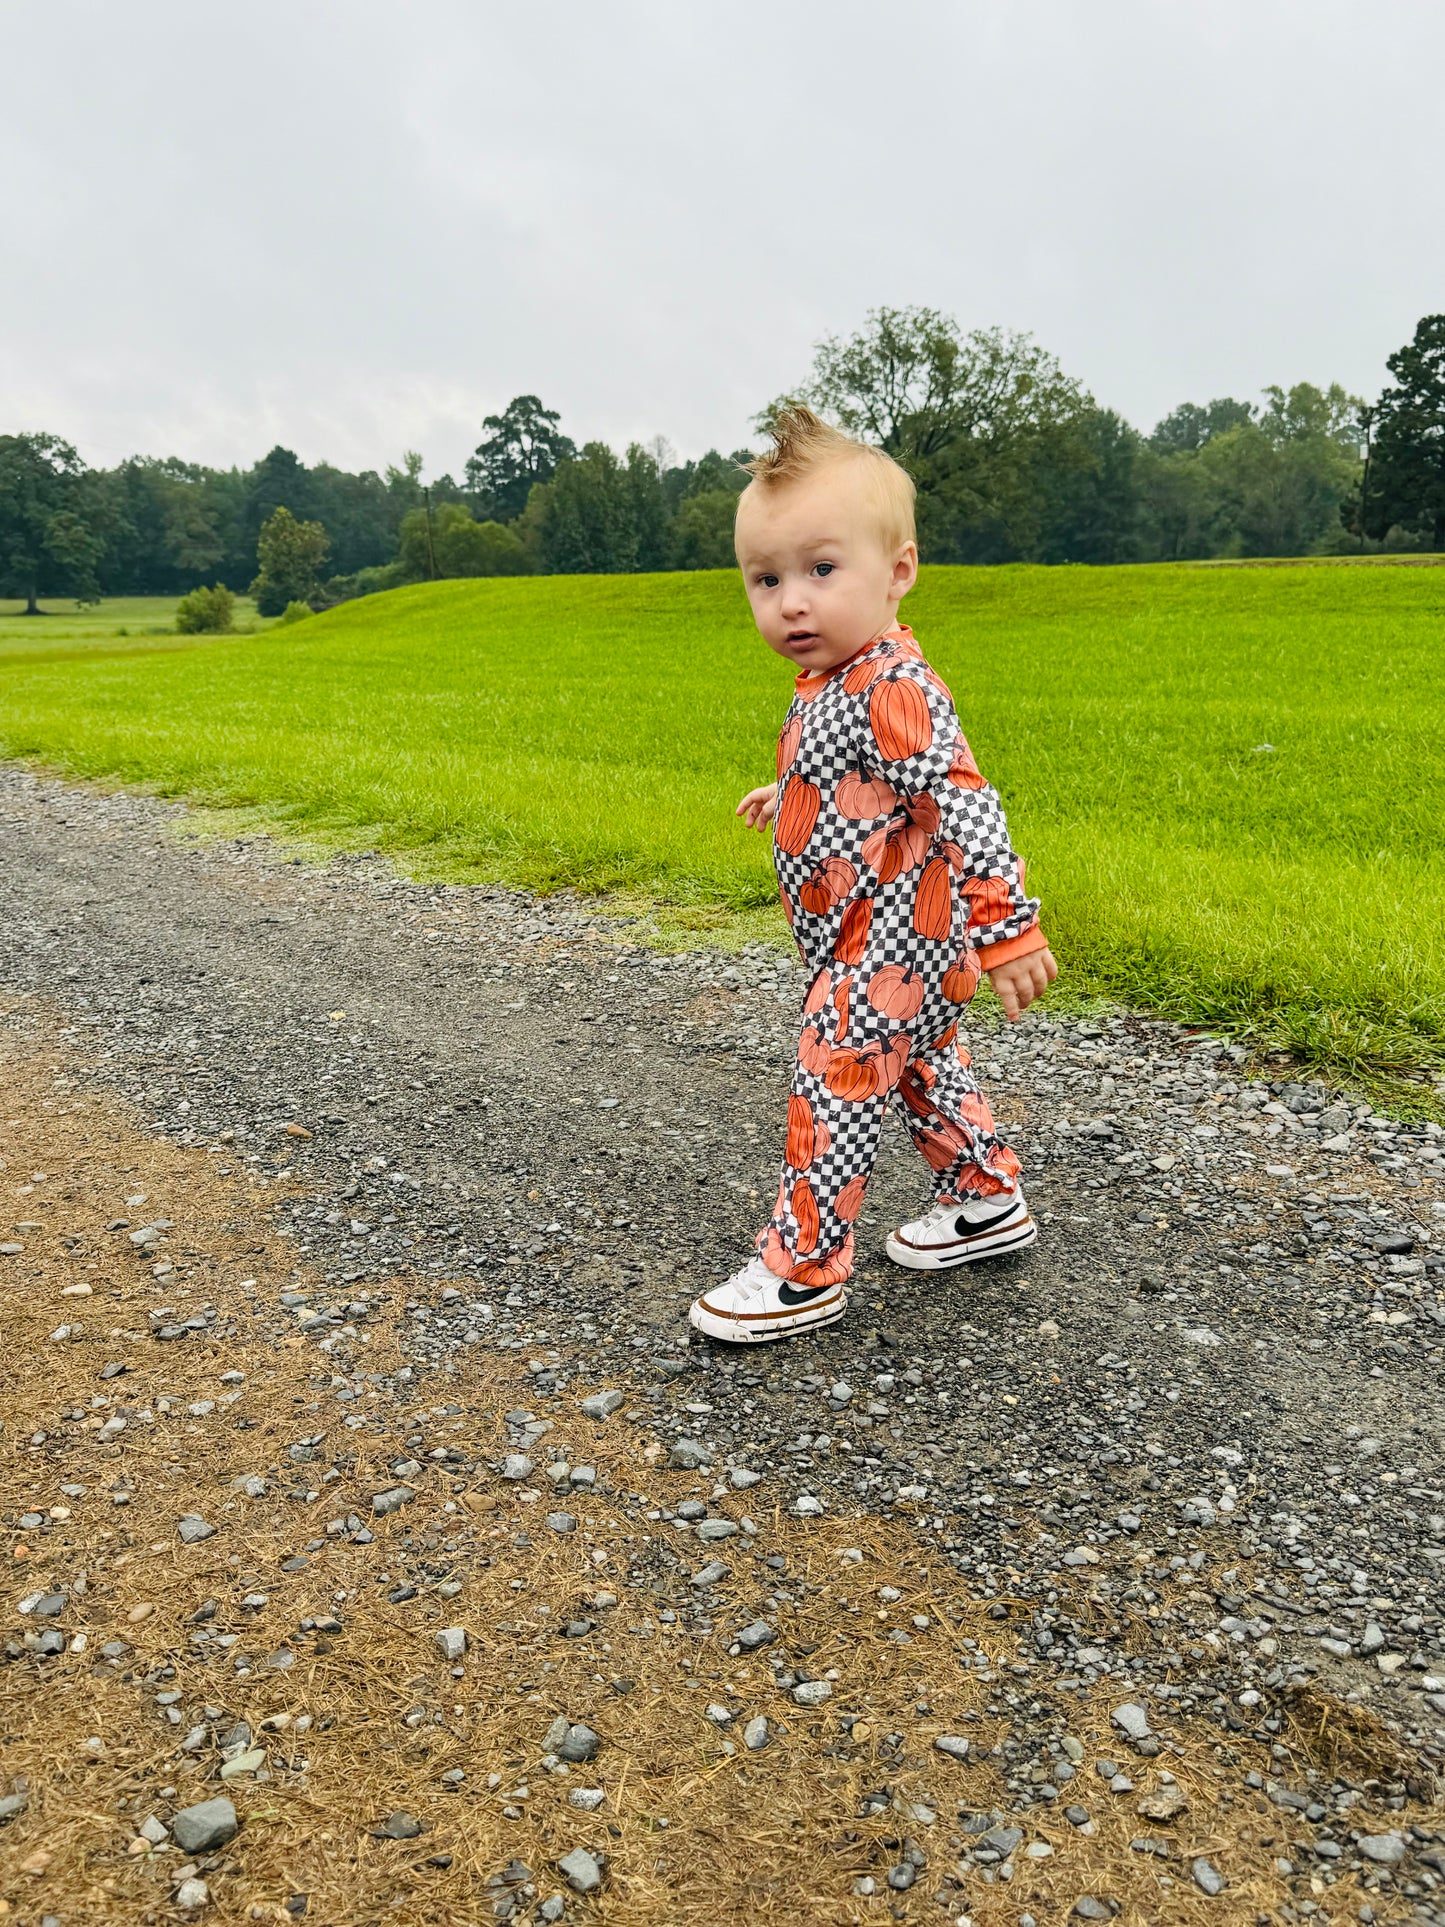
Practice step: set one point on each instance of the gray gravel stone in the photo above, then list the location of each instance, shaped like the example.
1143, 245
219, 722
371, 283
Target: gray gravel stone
209, 1824
1207, 1879
1384, 1849
193, 1529
755, 1734
602, 1404
516, 1466
1131, 1720
951, 1744
451, 1643
689, 1455
392, 1500
581, 1870
813, 1692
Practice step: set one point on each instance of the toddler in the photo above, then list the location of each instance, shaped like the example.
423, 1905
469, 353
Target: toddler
898, 880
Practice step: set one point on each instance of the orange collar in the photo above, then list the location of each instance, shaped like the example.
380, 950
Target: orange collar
808, 686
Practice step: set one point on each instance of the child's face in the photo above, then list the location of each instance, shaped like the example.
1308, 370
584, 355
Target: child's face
820, 581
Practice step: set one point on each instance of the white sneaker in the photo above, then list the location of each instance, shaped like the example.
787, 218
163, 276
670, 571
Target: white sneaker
957, 1234
756, 1305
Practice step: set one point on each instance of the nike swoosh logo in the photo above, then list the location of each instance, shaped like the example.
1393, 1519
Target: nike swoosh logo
971, 1227
788, 1296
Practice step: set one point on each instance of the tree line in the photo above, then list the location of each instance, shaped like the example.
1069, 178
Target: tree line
1014, 461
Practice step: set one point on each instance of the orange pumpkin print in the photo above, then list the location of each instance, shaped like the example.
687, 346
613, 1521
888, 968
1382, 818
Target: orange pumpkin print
942, 1146
950, 1036
788, 745
840, 1003
892, 1063
894, 848
799, 1148
853, 931
849, 1201
953, 856
914, 1095
989, 900
901, 721
933, 901
774, 1253
787, 903
923, 813
797, 813
829, 884
805, 1211
863, 675
974, 1106
896, 991
831, 1270
819, 991
963, 772
850, 1073
814, 1053
960, 980
861, 800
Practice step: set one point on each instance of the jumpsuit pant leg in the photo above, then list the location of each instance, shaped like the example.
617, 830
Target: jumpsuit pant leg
865, 1037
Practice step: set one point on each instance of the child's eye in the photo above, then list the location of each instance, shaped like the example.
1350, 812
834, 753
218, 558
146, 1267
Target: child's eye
767, 582
822, 568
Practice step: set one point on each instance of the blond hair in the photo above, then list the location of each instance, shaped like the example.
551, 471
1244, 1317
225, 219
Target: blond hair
803, 444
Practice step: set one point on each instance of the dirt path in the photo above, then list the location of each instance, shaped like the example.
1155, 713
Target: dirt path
1196, 1434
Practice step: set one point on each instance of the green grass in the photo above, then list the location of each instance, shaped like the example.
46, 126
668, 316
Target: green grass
595, 732
66, 626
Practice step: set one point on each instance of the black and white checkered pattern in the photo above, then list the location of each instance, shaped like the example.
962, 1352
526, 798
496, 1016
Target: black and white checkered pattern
835, 739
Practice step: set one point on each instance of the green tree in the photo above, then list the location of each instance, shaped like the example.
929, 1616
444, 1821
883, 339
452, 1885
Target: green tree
1190, 425
1093, 510
1406, 488
461, 545
51, 522
206, 612
522, 447
702, 530
290, 555
978, 419
581, 522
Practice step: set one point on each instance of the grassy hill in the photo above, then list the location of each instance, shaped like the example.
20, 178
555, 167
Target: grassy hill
1226, 780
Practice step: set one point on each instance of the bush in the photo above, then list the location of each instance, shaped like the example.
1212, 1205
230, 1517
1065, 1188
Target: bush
346, 588
206, 612
294, 612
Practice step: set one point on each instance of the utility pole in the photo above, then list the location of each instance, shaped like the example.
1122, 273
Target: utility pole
1367, 418
430, 545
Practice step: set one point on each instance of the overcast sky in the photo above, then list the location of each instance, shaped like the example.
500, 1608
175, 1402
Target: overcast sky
358, 226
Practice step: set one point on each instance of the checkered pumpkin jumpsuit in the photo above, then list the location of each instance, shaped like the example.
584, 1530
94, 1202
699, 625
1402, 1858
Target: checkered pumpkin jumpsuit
900, 885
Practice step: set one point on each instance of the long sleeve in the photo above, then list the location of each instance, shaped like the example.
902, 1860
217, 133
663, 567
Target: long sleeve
908, 737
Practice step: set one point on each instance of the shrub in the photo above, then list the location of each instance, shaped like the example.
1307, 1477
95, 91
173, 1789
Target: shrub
206, 612
294, 612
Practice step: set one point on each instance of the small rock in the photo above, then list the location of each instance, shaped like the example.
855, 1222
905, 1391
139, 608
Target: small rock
1385, 1849
1003, 1840
561, 1522
755, 1734
152, 1831
193, 1529
578, 1745
902, 1877
192, 1893
741, 1478
516, 1465
1131, 1720
397, 1826
709, 1575
1206, 1879
1086, 1907
711, 1530
812, 1692
689, 1455
759, 1633
720, 1715
586, 1799
602, 1404
552, 1908
581, 1870
242, 1763
451, 1643
951, 1744
392, 1500
210, 1824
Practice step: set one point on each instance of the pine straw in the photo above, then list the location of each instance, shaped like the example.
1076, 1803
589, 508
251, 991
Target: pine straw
691, 1836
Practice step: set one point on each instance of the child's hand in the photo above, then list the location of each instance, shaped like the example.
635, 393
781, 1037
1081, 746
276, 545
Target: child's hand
1017, 983
759, 807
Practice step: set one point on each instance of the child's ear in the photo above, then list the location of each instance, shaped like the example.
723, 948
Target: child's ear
905, 570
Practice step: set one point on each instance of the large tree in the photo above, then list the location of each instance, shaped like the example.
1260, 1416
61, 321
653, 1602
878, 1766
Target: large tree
1188, 427
1406, 487
51, 537
522, 446
290, 555
978, 419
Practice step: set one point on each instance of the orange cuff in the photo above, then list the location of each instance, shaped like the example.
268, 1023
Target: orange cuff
991, 954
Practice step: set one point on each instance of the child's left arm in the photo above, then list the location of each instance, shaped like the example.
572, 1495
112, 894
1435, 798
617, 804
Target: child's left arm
912, 740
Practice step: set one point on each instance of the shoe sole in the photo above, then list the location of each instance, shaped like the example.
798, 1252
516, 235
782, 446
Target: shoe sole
966, 1251
760, 1328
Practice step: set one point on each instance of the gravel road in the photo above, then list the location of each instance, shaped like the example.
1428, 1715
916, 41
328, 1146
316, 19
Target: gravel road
1210, 1397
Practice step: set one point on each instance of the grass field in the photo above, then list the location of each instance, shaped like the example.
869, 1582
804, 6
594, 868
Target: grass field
596, 732
64, 625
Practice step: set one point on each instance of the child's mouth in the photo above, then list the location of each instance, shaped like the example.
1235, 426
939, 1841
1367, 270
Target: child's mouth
799, 636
